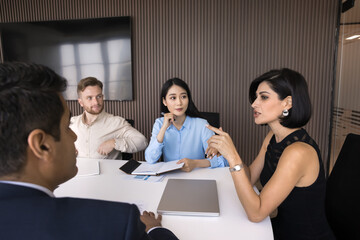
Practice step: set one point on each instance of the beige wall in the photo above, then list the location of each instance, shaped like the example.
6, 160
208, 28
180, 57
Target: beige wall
217, 47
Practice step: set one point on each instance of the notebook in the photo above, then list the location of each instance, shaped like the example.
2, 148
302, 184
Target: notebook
190, 197
137, 168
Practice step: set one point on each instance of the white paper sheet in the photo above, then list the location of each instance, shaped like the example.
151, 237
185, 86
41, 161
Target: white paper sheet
87, 167
157, 168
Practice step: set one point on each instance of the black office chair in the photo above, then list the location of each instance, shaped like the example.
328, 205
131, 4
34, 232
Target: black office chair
213, 118
132, 122
343, 191
128, 156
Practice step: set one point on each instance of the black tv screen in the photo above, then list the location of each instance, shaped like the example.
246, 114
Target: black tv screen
75, 49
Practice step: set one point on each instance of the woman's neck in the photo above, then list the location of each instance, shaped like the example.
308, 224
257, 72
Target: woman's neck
281, 132
179, 121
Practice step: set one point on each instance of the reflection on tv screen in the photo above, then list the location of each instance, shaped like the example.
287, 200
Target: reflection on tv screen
76, 49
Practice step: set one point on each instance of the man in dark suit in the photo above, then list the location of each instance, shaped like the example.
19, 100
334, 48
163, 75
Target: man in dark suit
37, 153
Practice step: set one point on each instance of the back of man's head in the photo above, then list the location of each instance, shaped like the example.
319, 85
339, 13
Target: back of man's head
29, 99
88, 81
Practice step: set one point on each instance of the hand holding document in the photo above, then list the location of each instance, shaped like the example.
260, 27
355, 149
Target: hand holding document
143, 168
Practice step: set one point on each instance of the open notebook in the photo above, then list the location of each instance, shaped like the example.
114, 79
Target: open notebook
190, 197
137, 168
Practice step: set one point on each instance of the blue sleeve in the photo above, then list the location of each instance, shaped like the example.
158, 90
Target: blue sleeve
218, 162
215, 161
154, 151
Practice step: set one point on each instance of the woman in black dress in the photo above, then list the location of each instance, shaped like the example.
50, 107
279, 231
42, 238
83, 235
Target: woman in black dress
289, 163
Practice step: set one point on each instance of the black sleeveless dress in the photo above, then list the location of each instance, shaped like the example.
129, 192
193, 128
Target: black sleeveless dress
302, 214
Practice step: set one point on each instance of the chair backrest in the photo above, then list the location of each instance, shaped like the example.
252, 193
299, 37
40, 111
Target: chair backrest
212, 117
132, 122
343, 191
128, 156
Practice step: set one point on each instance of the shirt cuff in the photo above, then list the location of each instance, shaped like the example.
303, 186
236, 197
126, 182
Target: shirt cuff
218, 162
153, 229
159, 144
120, 145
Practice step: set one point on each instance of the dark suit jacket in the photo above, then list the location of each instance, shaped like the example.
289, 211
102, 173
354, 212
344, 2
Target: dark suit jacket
27, 213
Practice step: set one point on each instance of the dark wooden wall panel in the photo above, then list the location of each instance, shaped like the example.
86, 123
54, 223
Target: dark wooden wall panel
217, 47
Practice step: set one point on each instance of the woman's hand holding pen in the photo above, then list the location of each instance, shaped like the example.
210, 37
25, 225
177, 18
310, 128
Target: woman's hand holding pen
212, 152
169, 118
222, 144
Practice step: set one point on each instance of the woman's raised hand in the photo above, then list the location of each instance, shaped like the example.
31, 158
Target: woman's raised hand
221, 144
169, 118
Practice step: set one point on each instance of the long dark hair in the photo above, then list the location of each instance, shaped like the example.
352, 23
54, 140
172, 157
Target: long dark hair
191, 110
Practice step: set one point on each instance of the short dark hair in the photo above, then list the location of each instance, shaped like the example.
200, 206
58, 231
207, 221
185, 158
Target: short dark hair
29, 99
191, 111
286, 82
88, 81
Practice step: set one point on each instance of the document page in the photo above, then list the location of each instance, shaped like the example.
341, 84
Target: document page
87, 167
147, 168
156, 168
169, 166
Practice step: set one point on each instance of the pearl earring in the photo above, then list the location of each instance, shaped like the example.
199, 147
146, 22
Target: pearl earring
285, 113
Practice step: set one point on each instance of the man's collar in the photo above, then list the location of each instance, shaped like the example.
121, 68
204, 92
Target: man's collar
30, 185
84, 115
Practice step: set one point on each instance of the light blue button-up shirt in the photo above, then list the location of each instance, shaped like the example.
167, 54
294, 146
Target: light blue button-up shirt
188, 142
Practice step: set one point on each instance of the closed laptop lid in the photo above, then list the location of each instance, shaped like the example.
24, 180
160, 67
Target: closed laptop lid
190, 197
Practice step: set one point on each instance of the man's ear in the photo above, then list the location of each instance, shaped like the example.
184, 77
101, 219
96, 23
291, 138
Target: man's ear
80, 102
40, 143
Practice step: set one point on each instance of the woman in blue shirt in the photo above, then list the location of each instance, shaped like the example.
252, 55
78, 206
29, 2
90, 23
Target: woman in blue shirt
181, 134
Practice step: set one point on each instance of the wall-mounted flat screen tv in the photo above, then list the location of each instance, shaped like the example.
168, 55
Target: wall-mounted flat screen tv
76, 49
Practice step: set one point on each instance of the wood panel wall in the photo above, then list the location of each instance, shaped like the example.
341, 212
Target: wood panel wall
218, 47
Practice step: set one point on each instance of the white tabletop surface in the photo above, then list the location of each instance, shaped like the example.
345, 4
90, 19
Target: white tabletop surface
114, 185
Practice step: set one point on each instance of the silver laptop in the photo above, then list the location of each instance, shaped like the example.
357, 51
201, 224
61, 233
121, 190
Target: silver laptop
190, 197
